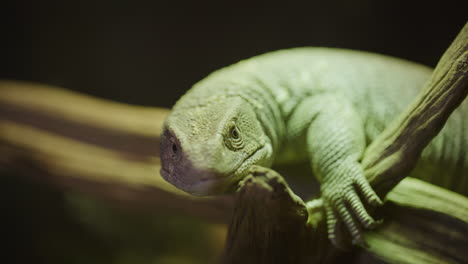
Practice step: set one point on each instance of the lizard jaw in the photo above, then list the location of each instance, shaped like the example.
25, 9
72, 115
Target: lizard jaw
202, 182
258, 157
200, 185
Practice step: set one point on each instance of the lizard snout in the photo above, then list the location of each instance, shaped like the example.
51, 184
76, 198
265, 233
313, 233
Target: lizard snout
178, 169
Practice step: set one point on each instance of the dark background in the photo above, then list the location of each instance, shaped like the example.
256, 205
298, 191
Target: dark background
150, 52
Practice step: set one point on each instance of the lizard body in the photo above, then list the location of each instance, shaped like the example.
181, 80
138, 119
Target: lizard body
316, 104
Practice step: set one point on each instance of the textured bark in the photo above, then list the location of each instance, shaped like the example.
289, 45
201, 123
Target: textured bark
270, 225
423, 224
393, 154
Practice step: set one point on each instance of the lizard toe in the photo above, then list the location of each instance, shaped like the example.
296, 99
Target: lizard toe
356, 206
349, 221
366, 190
332, 230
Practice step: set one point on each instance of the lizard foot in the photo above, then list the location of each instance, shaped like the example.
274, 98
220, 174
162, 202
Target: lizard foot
343, 206
271, 180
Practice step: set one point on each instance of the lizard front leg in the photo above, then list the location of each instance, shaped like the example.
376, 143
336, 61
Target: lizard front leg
335, 144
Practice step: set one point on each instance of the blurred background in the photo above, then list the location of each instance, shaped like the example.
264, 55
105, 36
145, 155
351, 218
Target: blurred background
149, 53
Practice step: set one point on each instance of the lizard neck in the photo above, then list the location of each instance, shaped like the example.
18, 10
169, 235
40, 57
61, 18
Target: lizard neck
267, 109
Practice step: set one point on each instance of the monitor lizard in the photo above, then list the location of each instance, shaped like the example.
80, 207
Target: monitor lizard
321, 105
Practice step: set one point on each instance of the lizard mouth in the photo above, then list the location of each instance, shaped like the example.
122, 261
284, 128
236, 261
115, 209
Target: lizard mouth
243, 167
204, 185
202, 182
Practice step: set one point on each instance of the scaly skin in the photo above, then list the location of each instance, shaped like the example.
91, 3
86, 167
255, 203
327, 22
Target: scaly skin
317, 104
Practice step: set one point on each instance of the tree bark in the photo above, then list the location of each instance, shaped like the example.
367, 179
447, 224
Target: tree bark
423, 223
392, 155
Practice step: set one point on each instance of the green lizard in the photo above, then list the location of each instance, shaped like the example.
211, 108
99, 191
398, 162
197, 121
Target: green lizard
306, 104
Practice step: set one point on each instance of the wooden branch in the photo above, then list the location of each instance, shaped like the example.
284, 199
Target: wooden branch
270, 224
423, 224
393, 154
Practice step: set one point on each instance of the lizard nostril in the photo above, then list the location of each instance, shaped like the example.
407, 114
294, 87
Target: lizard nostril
175, 149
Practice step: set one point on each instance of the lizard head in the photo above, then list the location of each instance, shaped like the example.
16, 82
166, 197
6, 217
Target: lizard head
207, 148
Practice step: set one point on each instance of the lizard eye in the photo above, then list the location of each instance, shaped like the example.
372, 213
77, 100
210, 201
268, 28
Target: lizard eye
234, 139
234, 133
